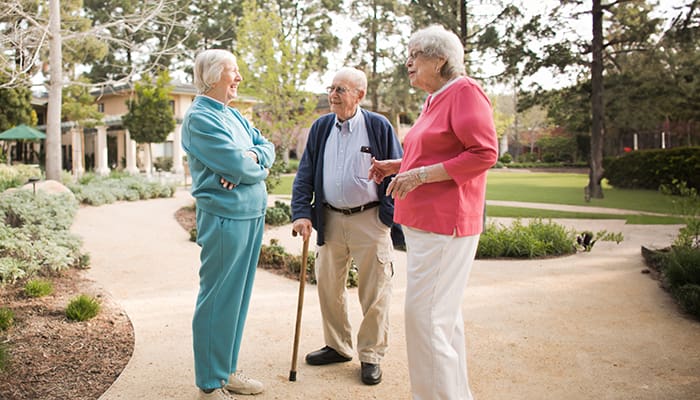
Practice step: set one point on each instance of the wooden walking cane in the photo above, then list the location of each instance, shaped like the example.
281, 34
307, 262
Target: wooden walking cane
300, 306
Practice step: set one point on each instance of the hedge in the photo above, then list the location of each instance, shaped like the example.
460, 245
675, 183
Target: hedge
649, 169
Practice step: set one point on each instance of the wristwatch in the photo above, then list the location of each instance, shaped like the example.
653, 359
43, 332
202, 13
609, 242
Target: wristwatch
422, 175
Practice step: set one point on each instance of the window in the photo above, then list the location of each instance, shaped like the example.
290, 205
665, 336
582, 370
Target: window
101, 107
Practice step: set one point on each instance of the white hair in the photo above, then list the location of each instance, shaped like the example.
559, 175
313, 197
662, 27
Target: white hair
208, 66
436, 41
357, 77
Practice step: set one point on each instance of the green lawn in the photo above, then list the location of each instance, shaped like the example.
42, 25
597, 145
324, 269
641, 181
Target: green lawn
565, 188
556, 188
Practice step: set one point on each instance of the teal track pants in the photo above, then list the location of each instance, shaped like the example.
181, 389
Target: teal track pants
229, 257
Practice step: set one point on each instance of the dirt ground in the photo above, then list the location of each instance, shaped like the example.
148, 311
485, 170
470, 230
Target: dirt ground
54, 358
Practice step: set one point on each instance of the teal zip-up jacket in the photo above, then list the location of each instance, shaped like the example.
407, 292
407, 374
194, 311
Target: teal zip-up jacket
215, 138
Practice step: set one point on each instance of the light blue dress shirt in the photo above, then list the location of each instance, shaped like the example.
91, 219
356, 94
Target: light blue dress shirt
346, 168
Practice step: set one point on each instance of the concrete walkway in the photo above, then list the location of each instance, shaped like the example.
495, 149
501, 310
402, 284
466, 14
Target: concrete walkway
587, 326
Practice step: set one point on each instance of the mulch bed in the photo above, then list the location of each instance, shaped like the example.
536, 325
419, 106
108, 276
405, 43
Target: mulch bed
51, 357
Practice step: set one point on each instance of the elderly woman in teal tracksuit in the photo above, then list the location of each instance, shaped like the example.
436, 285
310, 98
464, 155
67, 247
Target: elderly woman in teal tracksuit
229, 161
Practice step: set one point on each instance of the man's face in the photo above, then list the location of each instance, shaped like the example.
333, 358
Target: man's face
344, 97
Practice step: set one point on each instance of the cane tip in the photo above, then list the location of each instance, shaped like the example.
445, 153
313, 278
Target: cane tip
292, 376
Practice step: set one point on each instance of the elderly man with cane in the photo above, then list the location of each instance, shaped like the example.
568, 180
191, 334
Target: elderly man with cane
353, 218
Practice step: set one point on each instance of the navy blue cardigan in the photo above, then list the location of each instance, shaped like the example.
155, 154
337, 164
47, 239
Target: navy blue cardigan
307, 191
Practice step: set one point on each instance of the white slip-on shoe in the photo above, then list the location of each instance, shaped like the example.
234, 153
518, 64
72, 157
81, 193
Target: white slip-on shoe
217, 394
241, 384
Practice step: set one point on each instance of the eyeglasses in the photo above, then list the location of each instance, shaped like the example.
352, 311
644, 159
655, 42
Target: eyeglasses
414, 54
338, 89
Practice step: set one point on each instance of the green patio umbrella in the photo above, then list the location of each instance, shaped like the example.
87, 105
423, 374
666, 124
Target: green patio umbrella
22, 132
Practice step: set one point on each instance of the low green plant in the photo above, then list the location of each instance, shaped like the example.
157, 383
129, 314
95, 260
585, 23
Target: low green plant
587, 239
4, 357
506, 158
280, 214
275, 257
38, 288
7, 318
98, 190
535, 239
682, 267
17, 175
82, 308
688, 297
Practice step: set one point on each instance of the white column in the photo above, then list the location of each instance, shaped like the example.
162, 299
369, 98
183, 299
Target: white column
636, 141
77, 146
663, 140
504, 144
147, 162
130, 153
177, 150
101, 167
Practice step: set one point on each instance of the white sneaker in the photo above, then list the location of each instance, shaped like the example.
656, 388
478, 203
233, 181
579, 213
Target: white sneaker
217, 394
241, 384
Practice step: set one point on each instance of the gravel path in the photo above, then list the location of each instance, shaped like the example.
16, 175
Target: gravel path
588, 326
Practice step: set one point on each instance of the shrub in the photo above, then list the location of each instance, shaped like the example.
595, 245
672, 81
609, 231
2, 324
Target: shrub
688, 297
536, 239
34, 234
163, 163
506, 158
82, 308
280, 214
96, 190
649, 169
17, 175
275, 257
7, 318
38, 288
682, 267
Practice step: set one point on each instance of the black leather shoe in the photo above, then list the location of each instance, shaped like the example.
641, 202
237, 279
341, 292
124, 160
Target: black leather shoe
325, 356
371, 373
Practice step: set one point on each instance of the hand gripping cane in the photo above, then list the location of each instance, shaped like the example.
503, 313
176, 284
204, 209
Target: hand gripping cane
300, 306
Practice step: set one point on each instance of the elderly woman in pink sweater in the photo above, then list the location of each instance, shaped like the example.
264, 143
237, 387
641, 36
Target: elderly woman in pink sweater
439, 194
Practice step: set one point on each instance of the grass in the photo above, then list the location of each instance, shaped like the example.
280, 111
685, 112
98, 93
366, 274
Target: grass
522, 212
7, 318
38, 288
566, 188
557, 188
82, 308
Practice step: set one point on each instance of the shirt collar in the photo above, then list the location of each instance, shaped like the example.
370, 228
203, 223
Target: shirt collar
353, 121
212, 101
443, 88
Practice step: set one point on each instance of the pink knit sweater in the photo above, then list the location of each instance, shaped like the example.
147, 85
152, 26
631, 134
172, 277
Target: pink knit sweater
457, 130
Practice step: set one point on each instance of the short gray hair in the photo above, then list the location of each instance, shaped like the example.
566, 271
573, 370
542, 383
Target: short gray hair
436, 41
208, 66
356, 76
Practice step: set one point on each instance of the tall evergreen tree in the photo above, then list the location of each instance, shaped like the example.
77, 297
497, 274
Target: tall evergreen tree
16, 106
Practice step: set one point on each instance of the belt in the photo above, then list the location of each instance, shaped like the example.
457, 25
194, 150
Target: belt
350, 211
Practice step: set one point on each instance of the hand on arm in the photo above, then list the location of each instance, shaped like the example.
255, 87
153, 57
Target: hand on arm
406, 181
381, 169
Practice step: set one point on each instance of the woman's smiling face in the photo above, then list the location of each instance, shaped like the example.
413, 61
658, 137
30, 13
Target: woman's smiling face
226, 89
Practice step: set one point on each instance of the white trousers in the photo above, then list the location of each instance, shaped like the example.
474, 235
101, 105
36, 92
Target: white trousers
438, 271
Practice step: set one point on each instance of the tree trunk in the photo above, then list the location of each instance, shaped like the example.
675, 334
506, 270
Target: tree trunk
594, 188
373, 87
53, 114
